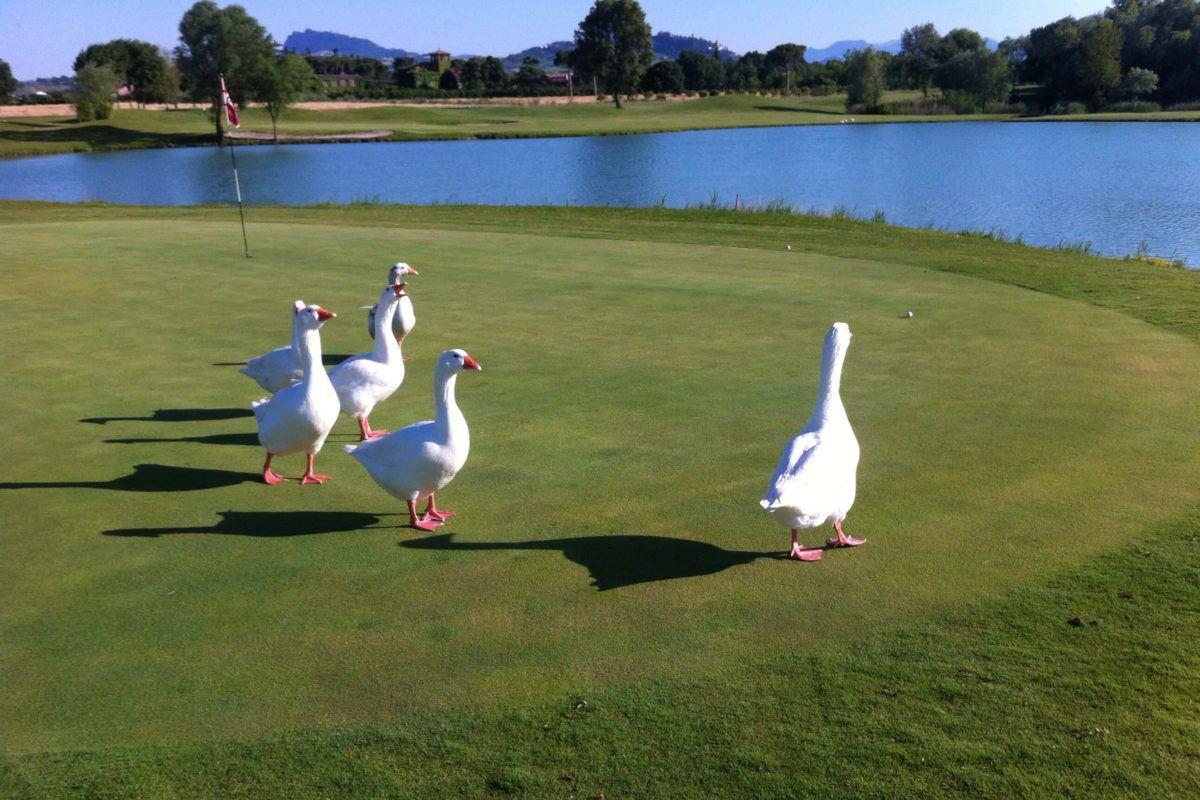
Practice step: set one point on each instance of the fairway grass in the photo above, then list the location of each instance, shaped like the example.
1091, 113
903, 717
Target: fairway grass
608, 612
134, 129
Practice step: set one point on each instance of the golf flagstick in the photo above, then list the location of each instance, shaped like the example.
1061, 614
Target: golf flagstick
230, 111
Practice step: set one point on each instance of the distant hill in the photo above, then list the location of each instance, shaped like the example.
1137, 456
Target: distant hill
669, 45
312, 41
666, 45
839, 49
544, 53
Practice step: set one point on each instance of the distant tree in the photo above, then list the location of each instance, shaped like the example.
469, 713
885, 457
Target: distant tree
740, 76
448, 81
1100, 62
960, 40
530, 77
1139, 82
172, 80
471, 77
920, 52
8, 84
495, 76
280, 83
1014, 50
972, 79
755, 61
665, 77
785, 58
139, 65
94, 88
864, 80
214, 40
1051, 56
701, 72
613, 43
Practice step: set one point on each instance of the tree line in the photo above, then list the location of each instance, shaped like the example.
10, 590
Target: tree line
1135, 54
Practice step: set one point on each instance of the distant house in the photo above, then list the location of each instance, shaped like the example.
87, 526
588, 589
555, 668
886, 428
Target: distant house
338, 81
425, 74
559, 77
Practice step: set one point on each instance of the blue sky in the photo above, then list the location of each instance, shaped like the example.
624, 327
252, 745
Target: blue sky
43, 38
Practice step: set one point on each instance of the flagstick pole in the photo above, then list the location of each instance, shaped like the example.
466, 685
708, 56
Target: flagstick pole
237, 184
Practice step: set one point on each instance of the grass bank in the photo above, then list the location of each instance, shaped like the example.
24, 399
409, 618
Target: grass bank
184, 128
606, 614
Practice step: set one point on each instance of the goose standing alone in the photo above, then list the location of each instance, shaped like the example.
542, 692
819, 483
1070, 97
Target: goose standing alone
301, 415
817, 473
416, 461
277, 368
367, 379
406, 318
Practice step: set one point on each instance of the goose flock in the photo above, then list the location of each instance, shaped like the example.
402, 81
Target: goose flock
813, 485
411, 463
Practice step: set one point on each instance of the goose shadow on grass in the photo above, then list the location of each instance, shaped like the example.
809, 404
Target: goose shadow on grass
151, 478
242, 439
179, 415
268, 524
617, 561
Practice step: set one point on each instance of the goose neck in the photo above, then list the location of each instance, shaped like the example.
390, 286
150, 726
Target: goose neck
829, 397
386, 347
309, 342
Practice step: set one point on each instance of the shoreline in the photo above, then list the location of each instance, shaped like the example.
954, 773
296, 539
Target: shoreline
748, 216
34, 136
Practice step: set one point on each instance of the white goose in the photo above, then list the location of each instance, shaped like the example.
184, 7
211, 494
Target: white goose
300, 416
276, 368
366, 380
416, 461
816, 477
406, 318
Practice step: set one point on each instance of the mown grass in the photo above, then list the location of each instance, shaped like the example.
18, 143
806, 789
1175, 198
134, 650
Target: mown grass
138, 129
607, 616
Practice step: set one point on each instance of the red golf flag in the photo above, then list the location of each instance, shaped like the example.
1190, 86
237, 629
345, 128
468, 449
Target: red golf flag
230, 108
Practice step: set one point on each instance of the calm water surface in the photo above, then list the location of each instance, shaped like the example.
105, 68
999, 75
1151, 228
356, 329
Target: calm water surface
1116, 185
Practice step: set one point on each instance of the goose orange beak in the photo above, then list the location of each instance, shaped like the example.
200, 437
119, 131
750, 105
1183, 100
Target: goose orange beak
324, 314
412, 271
470, 363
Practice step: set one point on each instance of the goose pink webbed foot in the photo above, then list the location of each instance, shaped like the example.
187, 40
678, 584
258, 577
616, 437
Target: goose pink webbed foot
270, 476
437, 514
311, 477
425, 523
799, 553
365, 431
842, 540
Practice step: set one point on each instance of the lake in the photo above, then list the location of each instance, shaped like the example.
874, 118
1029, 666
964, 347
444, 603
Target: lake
1119, 185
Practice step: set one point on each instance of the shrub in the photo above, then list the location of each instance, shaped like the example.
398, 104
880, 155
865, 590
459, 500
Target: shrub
88, 109
1191, 105
1135, 107
924, 106
1004, 108
962, 102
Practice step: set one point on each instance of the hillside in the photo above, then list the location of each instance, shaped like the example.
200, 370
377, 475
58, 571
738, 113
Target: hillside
309, 40
666, 45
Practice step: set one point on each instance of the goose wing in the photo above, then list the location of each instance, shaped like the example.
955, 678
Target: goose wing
794, 472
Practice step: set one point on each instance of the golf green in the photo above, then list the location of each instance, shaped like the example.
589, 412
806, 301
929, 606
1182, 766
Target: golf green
633, 402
